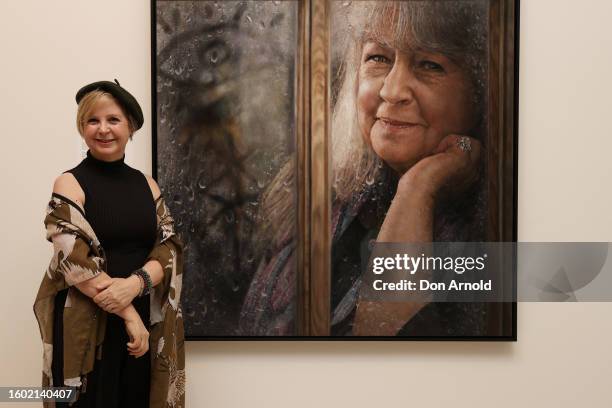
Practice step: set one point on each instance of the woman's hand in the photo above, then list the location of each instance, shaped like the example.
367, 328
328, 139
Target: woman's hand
449, 171
139, 335
117, 293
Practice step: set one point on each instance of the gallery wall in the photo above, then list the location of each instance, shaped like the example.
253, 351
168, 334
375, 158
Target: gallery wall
562, 357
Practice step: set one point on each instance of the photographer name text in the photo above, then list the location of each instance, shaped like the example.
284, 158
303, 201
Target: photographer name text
426, 285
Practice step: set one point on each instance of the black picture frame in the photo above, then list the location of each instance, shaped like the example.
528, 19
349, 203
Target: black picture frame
312, 78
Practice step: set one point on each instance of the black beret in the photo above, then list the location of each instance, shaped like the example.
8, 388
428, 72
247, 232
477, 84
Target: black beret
125, 99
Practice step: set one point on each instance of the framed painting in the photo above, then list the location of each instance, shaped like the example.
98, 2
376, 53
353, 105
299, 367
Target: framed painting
293, 137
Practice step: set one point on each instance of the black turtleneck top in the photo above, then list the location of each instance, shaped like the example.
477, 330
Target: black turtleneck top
119, 207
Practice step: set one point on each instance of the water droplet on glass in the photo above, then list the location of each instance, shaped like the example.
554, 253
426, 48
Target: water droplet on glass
206, 77
370, 180
346, 3
177, 200
287, 184
208, 12
214, 57
190, 194
260, 183
202, 181
235, 288
249, 18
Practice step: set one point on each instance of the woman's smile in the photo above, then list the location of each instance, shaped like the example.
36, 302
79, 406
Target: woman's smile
396, 123
389, 128
106, 131
392, 124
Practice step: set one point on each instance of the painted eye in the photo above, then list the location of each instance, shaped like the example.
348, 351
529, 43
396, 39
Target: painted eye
215, 53
381, 59
431, 66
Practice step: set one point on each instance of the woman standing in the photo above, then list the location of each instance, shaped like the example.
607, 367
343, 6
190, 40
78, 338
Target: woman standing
108, 306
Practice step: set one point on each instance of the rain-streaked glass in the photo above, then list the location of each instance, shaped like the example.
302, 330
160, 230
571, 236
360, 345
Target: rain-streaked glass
225, 127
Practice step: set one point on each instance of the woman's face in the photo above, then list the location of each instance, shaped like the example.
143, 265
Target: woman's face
408, 101
106, 130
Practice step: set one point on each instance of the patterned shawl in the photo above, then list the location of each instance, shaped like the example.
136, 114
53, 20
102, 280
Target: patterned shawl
78, 256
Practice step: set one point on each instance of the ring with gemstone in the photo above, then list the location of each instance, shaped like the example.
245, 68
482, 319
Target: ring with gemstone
465, 144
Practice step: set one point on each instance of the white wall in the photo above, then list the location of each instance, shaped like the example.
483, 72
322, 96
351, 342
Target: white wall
562, 358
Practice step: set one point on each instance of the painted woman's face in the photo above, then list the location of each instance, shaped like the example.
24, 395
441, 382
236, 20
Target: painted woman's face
408, 101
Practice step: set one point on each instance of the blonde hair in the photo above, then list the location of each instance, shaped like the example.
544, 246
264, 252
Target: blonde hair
88, 104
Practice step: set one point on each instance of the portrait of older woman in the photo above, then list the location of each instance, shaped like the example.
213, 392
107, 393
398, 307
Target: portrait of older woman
408, 134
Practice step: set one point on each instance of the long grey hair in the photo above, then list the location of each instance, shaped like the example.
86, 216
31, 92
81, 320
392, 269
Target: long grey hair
454, 28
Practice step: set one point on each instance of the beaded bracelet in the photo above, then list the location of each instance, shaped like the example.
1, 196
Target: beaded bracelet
141, 285
148, 284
